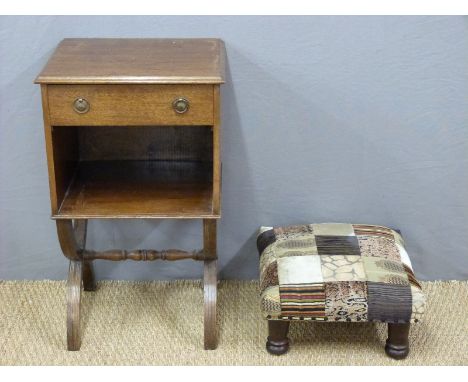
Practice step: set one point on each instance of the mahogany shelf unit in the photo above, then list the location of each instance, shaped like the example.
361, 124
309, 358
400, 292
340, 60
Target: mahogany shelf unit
132, 130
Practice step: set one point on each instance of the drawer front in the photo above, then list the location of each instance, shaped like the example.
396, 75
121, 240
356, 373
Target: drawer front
127, 105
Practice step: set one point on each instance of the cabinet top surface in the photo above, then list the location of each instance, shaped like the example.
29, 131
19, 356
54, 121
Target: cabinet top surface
126, 61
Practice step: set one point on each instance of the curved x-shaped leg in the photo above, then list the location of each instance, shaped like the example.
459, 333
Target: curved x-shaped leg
81, 227
210, 292
72, 241
210, 279
75, 278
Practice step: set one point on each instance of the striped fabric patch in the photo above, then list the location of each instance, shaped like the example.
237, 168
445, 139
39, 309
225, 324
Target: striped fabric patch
388, 302
373, 230
338, 245
303, 300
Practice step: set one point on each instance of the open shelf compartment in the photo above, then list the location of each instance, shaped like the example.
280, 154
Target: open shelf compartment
133, 172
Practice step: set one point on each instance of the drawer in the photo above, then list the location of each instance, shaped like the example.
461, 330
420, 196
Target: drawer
127, 105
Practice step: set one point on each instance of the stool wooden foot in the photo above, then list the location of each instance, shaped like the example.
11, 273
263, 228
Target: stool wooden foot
75, 277
277, 342
397, 345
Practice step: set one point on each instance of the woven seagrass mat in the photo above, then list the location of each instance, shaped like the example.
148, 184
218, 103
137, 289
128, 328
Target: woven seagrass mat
161, 323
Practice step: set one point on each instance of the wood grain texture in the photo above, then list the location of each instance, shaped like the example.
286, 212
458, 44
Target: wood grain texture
74, 284
49, 148
210, 284
209, 238
89, 280
150, 143
65, 157
80, 227
143, 255
139, 189
67, 236
67, 240
217, 150
149, 61
130, 105
62, 155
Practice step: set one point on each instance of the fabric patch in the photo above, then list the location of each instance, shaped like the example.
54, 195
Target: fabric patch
337, 245
374, 230
342, 268
389, 303
264, 240
384, 271
270, 302
374, 246
300, 246
269, 277
267, 258
299, 270
303, 300
346, 301
333, 229
293, 231
419, 302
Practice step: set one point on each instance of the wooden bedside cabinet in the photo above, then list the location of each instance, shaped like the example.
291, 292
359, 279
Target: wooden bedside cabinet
132, 130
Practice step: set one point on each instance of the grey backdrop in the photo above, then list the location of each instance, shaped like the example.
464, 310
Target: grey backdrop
350, 119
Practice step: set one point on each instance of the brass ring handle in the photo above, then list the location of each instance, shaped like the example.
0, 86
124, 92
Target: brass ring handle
180, 105
81, 105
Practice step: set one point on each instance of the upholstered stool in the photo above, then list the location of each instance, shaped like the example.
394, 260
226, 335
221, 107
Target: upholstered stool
337, 273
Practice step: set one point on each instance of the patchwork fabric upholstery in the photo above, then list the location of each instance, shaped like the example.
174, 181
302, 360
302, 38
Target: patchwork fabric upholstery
337, 272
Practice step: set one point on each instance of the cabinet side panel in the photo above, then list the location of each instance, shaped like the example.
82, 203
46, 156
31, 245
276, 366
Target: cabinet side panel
65, 153
62, 154
49, 148
216, 150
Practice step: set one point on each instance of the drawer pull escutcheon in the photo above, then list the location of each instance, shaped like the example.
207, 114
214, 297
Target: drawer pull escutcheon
180, 105
81, 105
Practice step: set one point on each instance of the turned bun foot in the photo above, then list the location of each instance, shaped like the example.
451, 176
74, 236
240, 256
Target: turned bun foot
397, 345
277, 347
277, 341
396, 351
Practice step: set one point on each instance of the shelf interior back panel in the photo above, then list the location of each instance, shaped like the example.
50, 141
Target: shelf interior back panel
193, 143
